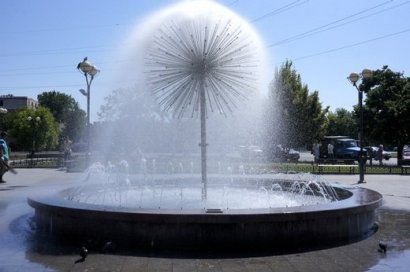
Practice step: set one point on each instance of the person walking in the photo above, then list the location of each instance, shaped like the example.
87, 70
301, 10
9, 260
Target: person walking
4, 156
4, 146
316, 152
67, 148
330, 151
379, 155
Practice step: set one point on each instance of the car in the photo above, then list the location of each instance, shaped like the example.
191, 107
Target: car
283, 154
293, 155
279, 154
251, 152
79, 147
345, 149
405, 159
372, 151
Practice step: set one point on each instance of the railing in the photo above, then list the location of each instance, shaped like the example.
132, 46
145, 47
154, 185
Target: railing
336, 169
45, 160
38, 163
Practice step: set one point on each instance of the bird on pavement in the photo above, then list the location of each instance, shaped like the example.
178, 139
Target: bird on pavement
382, 247
83, 252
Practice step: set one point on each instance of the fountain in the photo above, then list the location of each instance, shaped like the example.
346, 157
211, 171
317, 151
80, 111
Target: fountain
200, 58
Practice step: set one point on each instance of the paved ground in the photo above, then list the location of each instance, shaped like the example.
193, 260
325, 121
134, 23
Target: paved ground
20, 252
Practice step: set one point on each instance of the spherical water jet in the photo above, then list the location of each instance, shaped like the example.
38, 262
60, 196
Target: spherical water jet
203, 59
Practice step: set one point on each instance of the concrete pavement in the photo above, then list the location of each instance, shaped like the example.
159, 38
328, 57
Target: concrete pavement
21, 251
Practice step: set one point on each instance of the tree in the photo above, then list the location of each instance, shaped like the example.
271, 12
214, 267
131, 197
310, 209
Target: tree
66, 112
43, 132
342, 122
294, 116
387, 108
148, 128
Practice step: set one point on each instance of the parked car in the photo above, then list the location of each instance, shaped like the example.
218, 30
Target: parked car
344, 149
251, 152
282, 154
372, 151
79, 147
279, 154
405, 160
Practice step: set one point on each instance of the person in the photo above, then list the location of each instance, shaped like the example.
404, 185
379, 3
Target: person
4, 155
330, 151
379, 155
67, 148
4, 166
4, 146
316, 152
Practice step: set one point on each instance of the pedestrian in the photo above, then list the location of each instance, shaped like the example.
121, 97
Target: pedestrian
4, 146
316, 152
67, 148
379, 155
4, 155
330, 151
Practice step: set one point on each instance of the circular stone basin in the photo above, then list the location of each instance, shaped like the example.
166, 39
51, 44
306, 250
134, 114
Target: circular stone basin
280, 230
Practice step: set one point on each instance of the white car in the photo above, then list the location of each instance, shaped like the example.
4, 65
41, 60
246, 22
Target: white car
405, 157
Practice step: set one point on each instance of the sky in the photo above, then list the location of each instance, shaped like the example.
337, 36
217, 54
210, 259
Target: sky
42, 41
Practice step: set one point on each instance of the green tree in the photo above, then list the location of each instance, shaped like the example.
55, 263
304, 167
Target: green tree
295, 117
43, 131
145, 123
387, 108
66, 112
342, 122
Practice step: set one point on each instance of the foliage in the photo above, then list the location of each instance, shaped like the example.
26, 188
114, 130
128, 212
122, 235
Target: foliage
295, 117
6, 120
342, 122
43, 132
136, 111
66, 112
387, 108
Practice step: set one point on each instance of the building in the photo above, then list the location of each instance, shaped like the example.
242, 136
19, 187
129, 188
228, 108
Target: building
11, 102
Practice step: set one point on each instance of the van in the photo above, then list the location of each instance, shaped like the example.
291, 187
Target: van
345, 149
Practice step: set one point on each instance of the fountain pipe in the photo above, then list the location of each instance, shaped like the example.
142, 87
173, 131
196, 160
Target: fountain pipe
203, 139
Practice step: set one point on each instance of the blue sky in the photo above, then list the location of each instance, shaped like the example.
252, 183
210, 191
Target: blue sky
42, 42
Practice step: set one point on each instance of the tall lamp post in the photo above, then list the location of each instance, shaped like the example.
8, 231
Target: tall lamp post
354, 78
89, 71
33, 122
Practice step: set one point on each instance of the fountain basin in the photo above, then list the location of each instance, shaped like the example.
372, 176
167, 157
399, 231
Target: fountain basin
247, 230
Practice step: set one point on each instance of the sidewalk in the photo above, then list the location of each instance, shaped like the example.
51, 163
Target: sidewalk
19, 253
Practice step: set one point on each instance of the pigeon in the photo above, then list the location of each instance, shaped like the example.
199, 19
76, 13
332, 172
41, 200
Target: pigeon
79, 64
83, 252
108, 247
382, 247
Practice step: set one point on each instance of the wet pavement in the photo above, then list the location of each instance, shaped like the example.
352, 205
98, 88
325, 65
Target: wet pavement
21, 250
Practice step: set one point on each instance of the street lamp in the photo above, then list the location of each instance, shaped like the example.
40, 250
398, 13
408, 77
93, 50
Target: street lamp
33, 122
89, 71
354, 78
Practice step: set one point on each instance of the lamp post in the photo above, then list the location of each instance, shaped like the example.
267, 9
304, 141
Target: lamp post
354, 78
89, 71
33, 122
